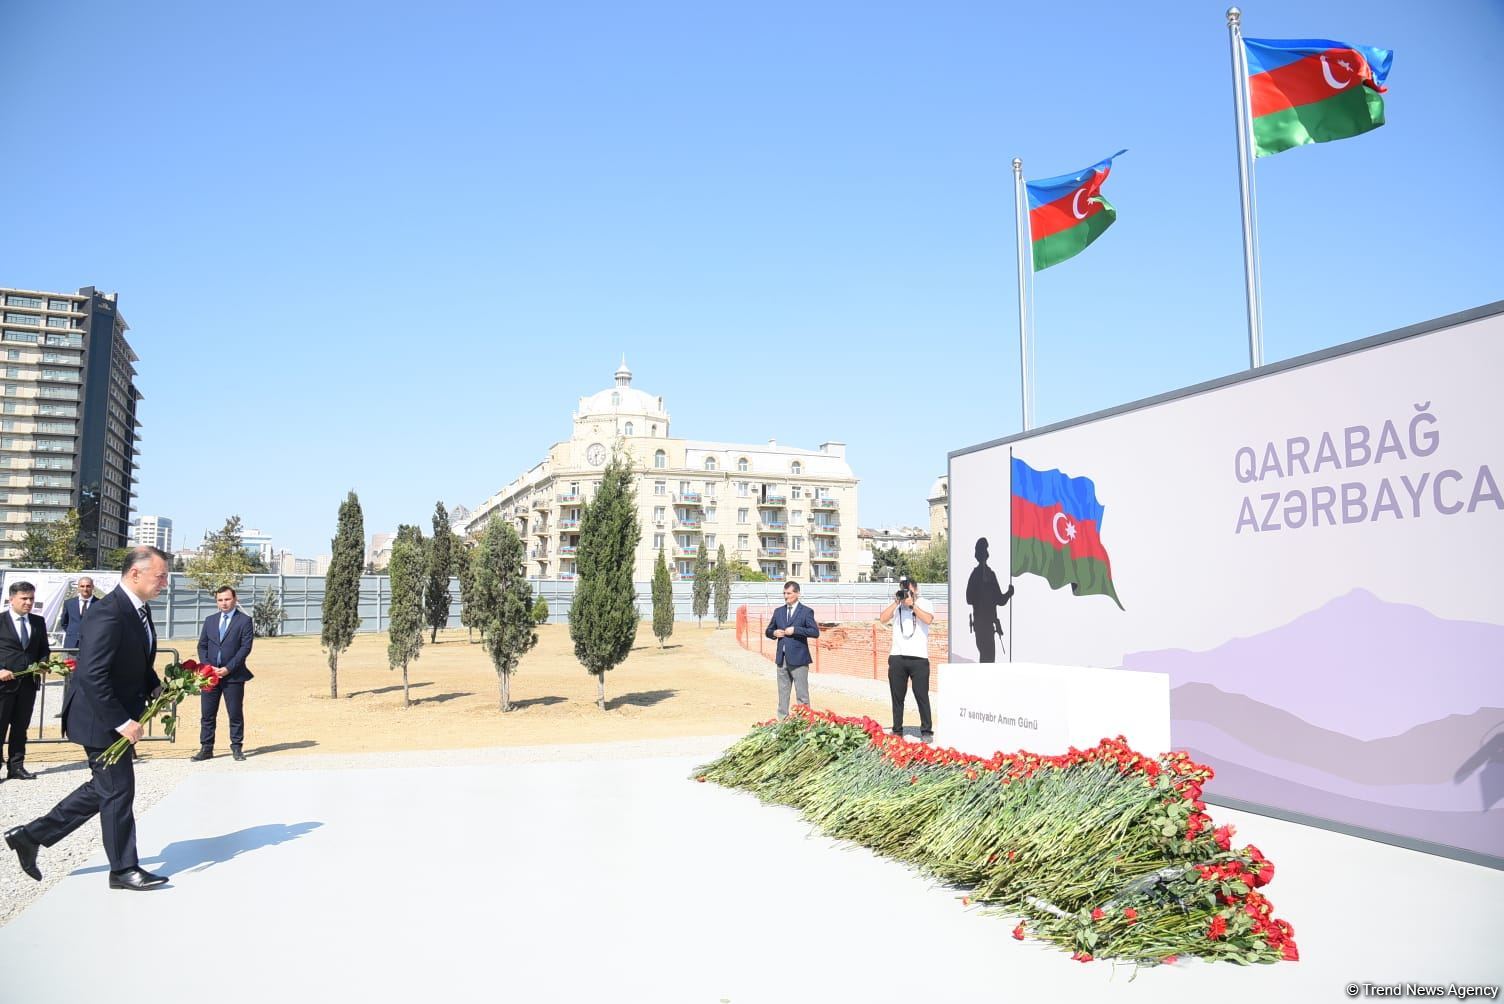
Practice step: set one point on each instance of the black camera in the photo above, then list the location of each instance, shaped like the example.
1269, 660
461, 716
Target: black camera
902, 595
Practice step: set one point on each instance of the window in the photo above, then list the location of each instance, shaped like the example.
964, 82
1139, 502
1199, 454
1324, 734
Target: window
59, 304
615, 398
660, 460
794, 490
657, 541
686, 569
683, 487
660, 487
741, 541
797, 568
710, 516
659, 513
710, 463
797, 516
23, 301
74, 341
743, 465
741, 488
741, 515
57, 322
629, 430
710, 489
798, 544
31, 319
19, 336
796, 468
13, 355
12, 372
653, 429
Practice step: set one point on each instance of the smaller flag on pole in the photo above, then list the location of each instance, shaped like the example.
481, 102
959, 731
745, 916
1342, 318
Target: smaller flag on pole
1069, 212
1313, 90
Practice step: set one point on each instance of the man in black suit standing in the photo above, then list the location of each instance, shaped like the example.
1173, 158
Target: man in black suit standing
109, 691
23, 643
224, 643
72, 621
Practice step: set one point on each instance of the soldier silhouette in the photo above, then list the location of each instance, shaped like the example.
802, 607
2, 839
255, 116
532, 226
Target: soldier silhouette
984, 596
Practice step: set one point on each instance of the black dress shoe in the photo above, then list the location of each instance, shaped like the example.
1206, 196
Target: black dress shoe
20, 774
235, 752
202, 754
26, 850
136, 879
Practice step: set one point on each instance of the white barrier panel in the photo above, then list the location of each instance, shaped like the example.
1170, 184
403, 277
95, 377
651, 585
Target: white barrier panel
1047, 709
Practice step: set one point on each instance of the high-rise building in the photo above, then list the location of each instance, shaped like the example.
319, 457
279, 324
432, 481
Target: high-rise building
787, 512
152, 531
69, 403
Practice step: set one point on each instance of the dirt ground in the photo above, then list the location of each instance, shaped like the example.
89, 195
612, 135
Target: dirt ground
681, 690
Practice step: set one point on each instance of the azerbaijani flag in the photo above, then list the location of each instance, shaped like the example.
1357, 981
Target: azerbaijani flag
1057, 525
1313, 90
1068, 213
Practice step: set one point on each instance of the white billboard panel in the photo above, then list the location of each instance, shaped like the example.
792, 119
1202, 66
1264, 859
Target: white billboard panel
1311, 553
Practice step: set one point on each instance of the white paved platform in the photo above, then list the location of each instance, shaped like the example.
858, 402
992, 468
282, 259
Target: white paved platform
617, 879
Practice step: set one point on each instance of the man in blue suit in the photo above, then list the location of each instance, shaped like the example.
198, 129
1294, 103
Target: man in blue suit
792, 626
72, 622
224, 643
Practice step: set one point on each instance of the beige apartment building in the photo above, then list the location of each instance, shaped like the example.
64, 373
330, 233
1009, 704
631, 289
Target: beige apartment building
789, 512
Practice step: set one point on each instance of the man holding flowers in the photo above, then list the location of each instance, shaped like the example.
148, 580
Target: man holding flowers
23, 643
110, 689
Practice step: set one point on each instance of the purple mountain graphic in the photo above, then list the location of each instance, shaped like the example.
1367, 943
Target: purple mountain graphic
1357, 666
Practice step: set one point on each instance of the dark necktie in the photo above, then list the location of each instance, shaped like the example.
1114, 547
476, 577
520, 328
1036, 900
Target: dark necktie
146, 624
23, 632
224, 625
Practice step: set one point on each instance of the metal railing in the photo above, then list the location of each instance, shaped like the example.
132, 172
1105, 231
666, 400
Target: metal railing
62, 685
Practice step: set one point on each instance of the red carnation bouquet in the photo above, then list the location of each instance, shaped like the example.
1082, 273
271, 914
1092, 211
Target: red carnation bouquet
57, 665
179, 680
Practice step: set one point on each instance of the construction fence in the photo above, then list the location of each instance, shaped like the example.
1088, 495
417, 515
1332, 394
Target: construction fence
858, 646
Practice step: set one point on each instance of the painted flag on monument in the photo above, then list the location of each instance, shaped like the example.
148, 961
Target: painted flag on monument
1057, 526
1069, 212
1313, 90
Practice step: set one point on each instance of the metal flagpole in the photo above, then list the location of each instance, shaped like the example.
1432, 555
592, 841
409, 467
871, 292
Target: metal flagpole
1020, 212
1011, 641
1245, 184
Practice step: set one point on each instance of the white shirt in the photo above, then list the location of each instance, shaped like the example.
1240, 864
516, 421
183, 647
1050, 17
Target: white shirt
16, 621
138, 603
911, 636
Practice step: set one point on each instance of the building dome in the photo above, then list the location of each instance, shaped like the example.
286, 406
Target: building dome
940, 489
622, 399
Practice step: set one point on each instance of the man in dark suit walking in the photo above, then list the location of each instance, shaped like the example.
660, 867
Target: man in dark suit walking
224, 643
109, 691
23, 643
72, 621
792, 626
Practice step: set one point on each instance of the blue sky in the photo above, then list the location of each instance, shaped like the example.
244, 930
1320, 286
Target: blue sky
387, 246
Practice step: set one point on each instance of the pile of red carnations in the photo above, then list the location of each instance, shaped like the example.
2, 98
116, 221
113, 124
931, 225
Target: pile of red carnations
1105, 852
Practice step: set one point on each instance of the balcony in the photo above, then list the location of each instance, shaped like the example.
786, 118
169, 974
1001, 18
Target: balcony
824, 504
566, 576
825, 529
773, 502
775, 525
772, 552
539, 502
825, 578
540, 553
540, 530
567, 549
569, 523
692, 523
689, 498
824, 554
685, 552
568, 498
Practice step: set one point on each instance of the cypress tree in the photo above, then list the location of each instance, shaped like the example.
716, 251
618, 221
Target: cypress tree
464, 564
504, 603
722, 577
406, 622
436, 599
342, 586
603, 616
663, 600
701, 594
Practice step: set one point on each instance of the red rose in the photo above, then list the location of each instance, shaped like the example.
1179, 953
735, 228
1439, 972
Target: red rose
965, 900
1289, 952
1169, 960
1264, 875
1224, 837
1218, 928
1130, 913
1082, 956
1018, 932
1097, 914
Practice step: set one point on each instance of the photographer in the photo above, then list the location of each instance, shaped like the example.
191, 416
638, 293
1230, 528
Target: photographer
909, 656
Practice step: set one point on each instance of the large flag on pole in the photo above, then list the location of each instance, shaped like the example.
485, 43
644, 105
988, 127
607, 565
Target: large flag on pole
1069, 212
1313, 90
